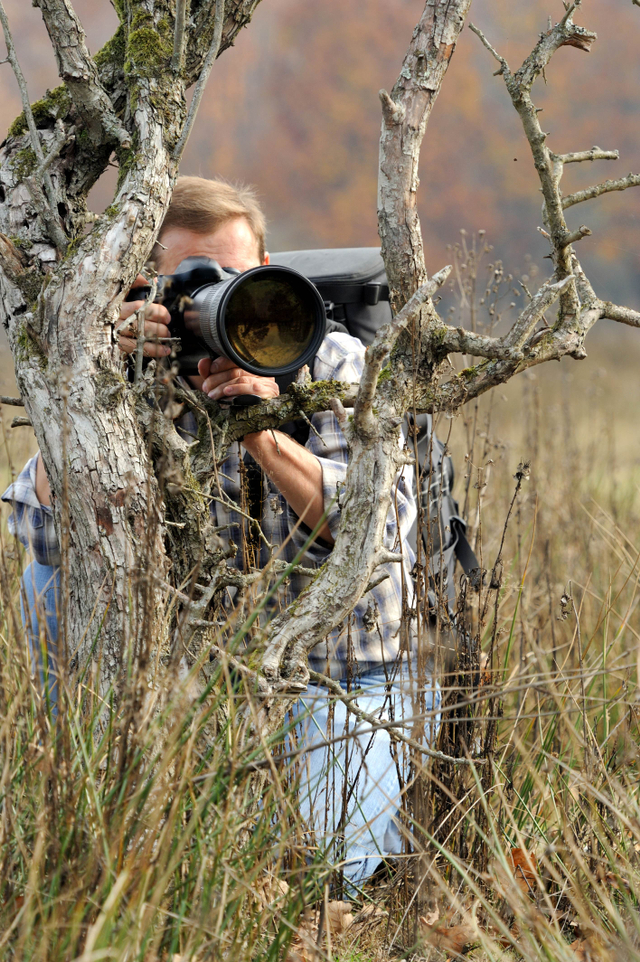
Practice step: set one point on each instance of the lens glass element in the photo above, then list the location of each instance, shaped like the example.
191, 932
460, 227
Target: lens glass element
270, 320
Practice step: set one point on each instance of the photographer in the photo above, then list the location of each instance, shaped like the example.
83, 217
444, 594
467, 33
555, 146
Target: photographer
297, 484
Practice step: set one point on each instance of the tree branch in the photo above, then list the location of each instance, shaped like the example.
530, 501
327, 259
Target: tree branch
363, 417
48, 211
405, 116
494, 53
79, 72
622, 314
541, 301
631, 180
549, 165
177, 60
572, 237
579, 156
298, 401
202, 82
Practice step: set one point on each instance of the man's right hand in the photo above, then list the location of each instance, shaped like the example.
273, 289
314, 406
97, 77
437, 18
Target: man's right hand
156, 320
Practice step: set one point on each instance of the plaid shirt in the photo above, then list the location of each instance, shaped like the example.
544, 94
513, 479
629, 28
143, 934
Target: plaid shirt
30, 521
371, 636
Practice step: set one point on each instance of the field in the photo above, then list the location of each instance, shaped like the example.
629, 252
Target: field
139, 846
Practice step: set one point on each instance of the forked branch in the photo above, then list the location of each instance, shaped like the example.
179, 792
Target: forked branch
79, 72
44, 203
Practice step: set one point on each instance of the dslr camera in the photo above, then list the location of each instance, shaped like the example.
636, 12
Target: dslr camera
268, 320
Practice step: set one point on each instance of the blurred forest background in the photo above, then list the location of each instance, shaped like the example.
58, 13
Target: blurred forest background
294, 110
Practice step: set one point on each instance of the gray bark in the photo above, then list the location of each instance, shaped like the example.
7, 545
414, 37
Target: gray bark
60, 308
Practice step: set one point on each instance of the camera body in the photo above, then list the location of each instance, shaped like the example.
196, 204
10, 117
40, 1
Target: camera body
268, 320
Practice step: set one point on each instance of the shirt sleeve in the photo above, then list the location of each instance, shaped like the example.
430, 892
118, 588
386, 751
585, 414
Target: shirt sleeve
30, 521
341, 358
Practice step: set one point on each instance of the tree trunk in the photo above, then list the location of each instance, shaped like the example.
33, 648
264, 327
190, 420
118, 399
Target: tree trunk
61, 293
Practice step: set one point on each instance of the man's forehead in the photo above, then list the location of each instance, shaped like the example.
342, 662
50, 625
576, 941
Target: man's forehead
232, 245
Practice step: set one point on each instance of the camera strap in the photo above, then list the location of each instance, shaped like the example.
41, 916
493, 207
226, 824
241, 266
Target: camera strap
254, 494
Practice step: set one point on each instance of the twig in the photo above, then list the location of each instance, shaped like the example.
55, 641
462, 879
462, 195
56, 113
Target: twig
494, 53
631, 180
376, 582
49, 214
569, 13
578, 156
202, 82
571, 237
347, 700
15, 401
178, 37
62, 137
21, 423
311, 426
141, 338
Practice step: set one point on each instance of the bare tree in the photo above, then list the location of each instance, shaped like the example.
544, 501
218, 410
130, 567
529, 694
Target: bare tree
130, 495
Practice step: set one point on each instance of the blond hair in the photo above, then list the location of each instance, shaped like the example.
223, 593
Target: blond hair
204, 206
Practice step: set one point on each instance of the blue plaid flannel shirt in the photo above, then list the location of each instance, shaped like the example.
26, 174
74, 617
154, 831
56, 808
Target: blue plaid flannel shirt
371, 637
30, 521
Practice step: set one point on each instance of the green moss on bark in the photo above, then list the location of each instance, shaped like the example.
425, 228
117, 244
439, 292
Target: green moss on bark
24, 162
54, 104
29, 350
148, 50
30, 283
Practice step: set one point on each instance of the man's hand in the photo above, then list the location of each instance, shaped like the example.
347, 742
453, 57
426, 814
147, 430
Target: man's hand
224, 379
156, 319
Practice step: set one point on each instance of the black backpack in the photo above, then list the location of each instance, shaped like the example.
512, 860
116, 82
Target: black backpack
353, 284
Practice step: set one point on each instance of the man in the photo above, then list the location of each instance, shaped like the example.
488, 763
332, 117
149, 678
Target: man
298, 485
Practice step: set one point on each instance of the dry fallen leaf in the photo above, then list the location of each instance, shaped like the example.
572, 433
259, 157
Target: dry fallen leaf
338, 920
455, 938
525, 869
339, 917
268, 889
430, 919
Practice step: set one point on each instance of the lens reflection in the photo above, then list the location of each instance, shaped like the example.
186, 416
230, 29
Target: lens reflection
270, 323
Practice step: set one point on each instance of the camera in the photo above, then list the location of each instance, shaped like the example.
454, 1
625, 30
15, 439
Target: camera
268, 320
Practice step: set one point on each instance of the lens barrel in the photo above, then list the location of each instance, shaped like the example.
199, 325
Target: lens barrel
268, 320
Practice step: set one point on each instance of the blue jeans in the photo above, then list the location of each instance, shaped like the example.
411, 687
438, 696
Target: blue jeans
350, 783
39, 608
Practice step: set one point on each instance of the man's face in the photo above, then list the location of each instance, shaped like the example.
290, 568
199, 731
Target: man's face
232, 245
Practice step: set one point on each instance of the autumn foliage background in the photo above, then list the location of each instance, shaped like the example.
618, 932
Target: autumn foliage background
293, 109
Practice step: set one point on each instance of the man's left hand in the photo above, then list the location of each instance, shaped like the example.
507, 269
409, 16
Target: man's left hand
224, 379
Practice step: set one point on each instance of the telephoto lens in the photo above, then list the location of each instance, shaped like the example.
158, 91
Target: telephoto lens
268, 320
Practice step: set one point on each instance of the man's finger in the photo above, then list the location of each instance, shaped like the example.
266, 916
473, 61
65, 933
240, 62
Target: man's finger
247, 384
250, 387
216, 380
128, 345
155, 312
